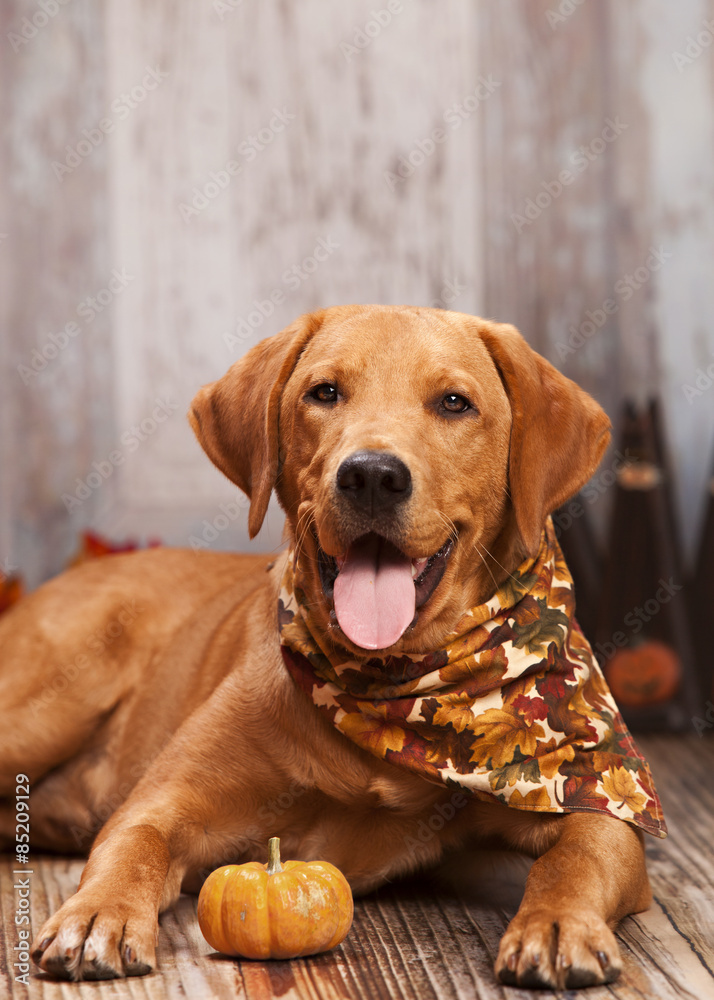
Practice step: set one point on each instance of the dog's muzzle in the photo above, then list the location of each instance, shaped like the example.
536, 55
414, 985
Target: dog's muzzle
376, 587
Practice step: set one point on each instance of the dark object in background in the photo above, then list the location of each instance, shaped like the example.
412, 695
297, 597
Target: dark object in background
643, 637
573, 528
701, 600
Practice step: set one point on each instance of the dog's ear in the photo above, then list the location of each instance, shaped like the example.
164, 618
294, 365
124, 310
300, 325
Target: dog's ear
558, 435
236, 418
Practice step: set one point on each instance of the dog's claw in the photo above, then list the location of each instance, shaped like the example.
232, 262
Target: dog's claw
41, 948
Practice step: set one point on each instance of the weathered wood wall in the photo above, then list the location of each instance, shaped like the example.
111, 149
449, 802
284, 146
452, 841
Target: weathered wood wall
58, 418
337, 103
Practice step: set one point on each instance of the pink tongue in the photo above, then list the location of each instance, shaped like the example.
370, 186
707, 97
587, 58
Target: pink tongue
374, 593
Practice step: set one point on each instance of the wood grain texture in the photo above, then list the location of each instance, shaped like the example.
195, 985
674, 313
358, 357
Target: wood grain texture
548, 259
665, 90
435, 938
313, 128
55, 254
590, 242
365, 98
546, 192
6, 408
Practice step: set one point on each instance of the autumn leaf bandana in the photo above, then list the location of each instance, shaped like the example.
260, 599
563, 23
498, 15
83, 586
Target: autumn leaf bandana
513, 708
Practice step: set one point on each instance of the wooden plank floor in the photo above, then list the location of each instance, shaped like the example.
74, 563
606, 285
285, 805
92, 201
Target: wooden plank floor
426, 940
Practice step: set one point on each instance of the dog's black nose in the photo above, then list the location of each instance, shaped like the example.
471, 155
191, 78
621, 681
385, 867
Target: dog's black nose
374, 480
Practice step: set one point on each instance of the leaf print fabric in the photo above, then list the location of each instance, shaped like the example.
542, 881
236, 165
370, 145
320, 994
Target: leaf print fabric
514, 707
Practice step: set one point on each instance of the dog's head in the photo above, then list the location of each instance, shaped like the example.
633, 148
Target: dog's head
416, 453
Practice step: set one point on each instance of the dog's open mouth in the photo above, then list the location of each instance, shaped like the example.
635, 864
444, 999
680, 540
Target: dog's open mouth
377, 589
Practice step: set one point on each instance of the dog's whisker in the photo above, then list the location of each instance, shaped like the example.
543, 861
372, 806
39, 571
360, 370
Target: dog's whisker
492, 556
509, 575
302, 527
305, 514
484, 561
450, 526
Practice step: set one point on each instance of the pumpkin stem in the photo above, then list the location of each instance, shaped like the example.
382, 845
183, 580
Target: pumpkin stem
274, 865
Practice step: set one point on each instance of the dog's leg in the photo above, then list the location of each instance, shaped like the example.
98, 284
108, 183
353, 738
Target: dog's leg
109, 927
576, 894
190, 810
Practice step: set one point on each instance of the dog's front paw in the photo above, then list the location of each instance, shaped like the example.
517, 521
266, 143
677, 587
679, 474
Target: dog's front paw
90, 938
568, 950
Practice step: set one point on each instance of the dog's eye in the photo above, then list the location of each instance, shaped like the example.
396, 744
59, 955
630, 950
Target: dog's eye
325, 392
454, 403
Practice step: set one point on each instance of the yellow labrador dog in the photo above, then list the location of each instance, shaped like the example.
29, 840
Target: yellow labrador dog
361, 692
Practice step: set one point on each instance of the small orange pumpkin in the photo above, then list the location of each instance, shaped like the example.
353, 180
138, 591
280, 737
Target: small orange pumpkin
275, 910
647, 674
